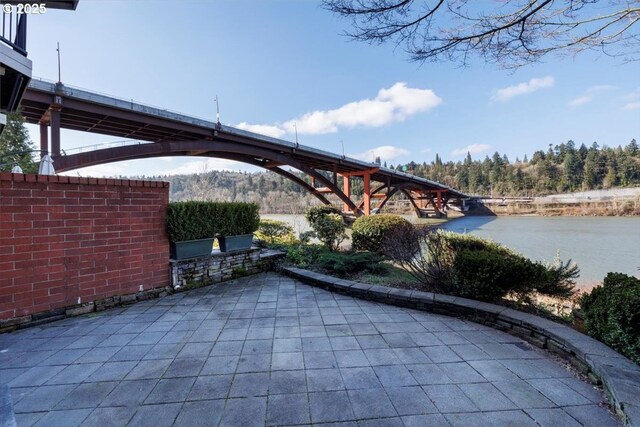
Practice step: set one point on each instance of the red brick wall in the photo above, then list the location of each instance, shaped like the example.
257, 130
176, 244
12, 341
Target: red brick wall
64, 238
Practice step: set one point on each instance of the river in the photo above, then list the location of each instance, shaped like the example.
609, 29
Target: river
597, 244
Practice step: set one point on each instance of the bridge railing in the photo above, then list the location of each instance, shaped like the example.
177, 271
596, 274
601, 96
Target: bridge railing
14, 30
101, 146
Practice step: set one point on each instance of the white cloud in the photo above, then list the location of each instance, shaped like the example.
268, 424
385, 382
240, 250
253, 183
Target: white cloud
600, 88
632, 106
525, 88
391, 105
473, 149
385, 152
581, 100
268, 130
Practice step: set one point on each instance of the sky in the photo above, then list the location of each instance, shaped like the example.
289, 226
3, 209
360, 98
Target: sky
281, 65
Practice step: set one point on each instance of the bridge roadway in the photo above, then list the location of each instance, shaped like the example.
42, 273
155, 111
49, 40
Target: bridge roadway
164, 133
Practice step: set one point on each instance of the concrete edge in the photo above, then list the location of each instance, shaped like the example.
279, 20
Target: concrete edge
619, 376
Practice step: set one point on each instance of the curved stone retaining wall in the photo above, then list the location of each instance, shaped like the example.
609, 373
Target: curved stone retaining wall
619, 376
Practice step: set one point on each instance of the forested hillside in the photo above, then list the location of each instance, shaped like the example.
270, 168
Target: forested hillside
563, 168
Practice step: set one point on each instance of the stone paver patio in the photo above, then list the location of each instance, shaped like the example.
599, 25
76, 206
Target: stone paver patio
268, 350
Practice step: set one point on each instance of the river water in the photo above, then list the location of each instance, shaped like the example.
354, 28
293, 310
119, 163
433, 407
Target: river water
597, 244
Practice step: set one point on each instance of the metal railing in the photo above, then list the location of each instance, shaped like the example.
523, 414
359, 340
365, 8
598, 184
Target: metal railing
14, 30
112, 144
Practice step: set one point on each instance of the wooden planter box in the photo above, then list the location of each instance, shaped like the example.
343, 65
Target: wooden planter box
191, 248
235, 243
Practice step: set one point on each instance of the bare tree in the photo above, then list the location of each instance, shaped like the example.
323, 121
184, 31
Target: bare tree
510, 33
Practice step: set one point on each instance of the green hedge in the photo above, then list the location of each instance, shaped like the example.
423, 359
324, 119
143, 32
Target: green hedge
200, 220
370, 232
612, 314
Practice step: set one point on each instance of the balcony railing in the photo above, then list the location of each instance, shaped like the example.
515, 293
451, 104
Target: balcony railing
14, 30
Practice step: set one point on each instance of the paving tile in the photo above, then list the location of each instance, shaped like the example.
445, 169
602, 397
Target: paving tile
324, 380
227, 348
112, 371
330, 406
43, 398
109, 417
248, 385
558, 392
171, 390
552, 417
432, 420
410, 401
411, 355
257, 347
441, 354
492, 370
287, 361
371, 403
246, 412
287, 382
382, 356
164, 351
28, 419
195, 350
288, 409
319, 359
156, 415
461, 372
211, 387
147, 369
220, 365
88, 395
65, 418
394, 376
35, 376
486, 397
356, 378
449, 398
381, 422
254, 363
351, 358
204, 413
429, 373
129, 393
287, 345
316, 344
74, 374
184, 368
523, 394
592, 416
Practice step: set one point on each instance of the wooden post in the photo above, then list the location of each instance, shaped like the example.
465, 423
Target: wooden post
439, 201
367, 194
346, 189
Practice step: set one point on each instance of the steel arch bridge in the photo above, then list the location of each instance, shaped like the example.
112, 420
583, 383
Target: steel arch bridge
159, 133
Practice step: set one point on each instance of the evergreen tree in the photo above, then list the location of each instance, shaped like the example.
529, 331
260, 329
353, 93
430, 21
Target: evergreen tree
15, 146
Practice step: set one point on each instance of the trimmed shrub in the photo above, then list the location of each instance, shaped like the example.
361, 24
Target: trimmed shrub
612, 314
472, 267
330, 230
273, 231
200, 220
369, 232
315, 212
343, 264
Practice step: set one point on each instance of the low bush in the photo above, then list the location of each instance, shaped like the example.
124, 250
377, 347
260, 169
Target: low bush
472, 267
200, 220
343, 264
330, 230
370, 232
272, 231
612, 314
315, 212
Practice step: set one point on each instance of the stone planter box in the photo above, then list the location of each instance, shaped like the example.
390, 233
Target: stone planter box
235, 243
191, 248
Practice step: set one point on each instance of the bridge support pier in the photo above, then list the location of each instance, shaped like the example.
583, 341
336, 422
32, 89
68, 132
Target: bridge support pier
55, 132
346, 189
44, 139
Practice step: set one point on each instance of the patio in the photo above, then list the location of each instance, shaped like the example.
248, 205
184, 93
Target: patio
269, 350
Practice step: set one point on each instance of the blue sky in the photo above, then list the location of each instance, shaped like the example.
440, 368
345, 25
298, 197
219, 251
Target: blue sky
276, 63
